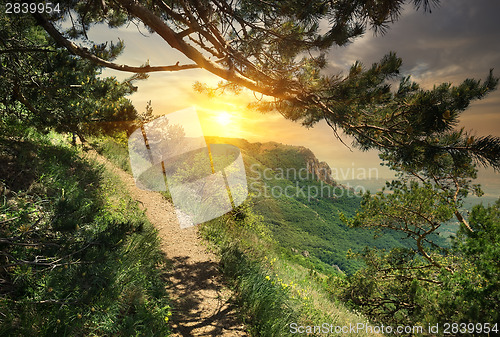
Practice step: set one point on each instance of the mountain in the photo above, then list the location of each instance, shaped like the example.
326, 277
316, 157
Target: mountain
276, 155
301, 203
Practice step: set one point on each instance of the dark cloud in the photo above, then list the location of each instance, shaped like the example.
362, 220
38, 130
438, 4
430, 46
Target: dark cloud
457, 40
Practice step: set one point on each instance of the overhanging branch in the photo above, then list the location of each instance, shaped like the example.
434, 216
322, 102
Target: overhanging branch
161, 28
74, 49
262, 84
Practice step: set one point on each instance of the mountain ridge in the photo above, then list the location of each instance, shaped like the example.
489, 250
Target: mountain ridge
317, 168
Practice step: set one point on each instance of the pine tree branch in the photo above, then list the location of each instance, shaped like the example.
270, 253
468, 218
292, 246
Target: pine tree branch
26, 244
410, 278
26, 50
154, 22
82, 52
461, 219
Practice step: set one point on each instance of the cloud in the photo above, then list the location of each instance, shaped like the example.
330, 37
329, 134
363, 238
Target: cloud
456, 41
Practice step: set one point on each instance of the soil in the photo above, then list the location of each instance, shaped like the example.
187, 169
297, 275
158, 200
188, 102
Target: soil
203, 306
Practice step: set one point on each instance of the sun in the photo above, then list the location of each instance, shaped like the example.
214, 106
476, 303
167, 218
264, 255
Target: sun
223, 118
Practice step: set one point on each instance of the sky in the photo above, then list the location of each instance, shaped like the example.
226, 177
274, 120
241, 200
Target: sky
458, 40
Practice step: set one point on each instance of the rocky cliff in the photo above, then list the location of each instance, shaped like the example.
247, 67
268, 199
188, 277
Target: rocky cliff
276, 155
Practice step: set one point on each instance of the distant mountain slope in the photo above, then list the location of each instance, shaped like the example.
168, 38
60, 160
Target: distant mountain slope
277, 155
301, 203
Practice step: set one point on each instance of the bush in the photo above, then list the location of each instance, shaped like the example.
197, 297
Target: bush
78, 257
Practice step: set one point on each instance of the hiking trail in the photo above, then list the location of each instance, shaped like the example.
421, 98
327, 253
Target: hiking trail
203, 305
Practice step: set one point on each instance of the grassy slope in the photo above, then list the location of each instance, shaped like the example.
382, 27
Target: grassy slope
82, 259
275, 287
297, 223
272, 288
300, 223
272, 292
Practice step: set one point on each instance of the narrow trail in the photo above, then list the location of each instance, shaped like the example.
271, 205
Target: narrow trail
203, 306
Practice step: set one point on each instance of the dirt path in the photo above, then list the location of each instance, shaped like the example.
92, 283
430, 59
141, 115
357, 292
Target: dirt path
203, 305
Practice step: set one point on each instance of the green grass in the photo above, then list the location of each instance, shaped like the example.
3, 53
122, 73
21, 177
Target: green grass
272, 291
265, 306
79, 258
115, 149
298, 223
274, 286
302, 223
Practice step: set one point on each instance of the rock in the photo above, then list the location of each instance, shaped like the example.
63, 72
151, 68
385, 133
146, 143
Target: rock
320, 170
337, 268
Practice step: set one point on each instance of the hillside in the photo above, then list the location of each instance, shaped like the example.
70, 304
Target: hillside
78, 257
285, 255
301, 204
270, 290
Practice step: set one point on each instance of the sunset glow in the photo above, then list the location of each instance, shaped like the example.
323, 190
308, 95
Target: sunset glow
223, 118
219, 117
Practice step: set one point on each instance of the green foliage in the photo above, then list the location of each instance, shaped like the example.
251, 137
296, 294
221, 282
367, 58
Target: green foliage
413, 125
478, 281
113, 148
264, 306
283, 29
387, 284
400, 287
393, 286
77, 255
426, 283
271, 291
46, 87
302, 222
416, 210
403, 286
279, 50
